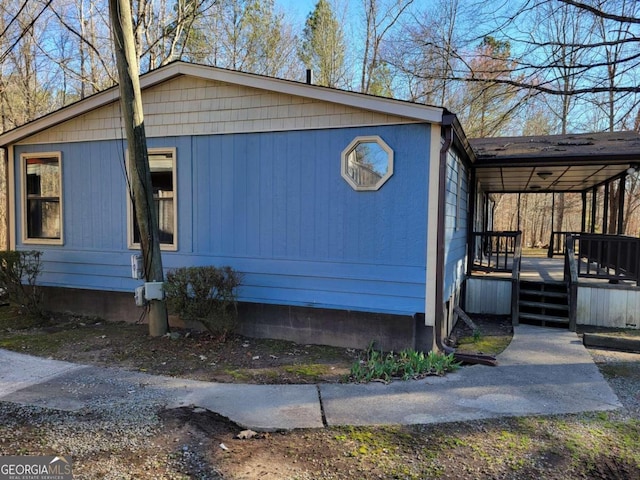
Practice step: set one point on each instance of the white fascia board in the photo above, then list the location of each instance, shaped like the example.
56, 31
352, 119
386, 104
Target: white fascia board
414, 111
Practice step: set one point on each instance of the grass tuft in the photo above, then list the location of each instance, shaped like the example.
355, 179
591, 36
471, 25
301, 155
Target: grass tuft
406, 364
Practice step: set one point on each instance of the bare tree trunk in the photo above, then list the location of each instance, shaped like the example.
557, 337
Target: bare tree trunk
559, 212
131, 101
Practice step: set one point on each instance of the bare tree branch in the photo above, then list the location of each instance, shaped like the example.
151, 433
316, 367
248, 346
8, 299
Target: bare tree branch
600, 13
84, 41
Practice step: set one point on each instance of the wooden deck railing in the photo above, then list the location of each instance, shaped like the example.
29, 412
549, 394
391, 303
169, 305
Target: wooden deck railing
571, 279
609, 257
494, 251
515, 281
558, 243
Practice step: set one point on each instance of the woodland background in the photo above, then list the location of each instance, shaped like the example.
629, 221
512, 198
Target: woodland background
505, 67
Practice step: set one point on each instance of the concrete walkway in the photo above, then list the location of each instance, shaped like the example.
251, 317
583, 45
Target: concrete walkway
543, 371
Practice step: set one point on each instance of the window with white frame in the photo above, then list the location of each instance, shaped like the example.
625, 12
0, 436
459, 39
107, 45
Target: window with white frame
367, 163
163, 180
42, 197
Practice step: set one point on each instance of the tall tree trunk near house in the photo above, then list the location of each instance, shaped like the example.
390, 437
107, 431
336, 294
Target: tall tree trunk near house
559, 212
614, 198
140, 175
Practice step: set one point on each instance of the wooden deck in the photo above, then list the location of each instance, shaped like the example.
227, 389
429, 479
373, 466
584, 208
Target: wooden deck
543, 269
605, 290
534, 269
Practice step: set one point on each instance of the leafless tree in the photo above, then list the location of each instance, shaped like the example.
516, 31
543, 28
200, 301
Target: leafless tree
425, 53
380, 17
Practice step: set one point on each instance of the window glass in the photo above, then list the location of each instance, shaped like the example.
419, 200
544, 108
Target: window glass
42, 205
367, 163
162, 168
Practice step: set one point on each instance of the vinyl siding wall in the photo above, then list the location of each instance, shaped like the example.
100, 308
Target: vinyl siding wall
272, 205
456, 212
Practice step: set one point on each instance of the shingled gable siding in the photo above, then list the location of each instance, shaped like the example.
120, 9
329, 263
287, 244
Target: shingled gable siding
272, 205
192, 106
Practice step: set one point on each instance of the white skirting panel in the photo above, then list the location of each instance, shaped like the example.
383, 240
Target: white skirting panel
491, 296
608, 306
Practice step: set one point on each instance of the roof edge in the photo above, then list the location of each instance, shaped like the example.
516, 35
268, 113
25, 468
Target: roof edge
460, 138
389, 106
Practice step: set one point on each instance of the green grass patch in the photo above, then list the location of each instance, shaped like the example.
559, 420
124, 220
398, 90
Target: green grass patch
312, 371
12, 319
42, 344
374, 443
238, 375
490, 345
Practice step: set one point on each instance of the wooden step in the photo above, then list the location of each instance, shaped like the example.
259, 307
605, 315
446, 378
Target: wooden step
613, 342
538, 293
543, 318
543, 284
549, 306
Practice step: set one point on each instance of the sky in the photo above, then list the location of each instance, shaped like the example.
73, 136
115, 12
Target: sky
297, 9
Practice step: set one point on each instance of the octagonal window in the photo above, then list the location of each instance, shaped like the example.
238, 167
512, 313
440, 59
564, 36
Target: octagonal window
367, 163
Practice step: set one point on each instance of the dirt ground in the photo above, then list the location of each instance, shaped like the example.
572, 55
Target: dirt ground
195, 443
185, 353
200, 356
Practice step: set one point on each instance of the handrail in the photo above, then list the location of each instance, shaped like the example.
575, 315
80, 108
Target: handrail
493, 251
515, 281
609, 257
557, 243
571, 278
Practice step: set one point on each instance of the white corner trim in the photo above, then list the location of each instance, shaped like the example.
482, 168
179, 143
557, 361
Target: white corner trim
11, 192
433, 192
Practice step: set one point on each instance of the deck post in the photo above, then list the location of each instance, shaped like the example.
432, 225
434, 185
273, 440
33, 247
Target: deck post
605, 210
571, 279
621, 192
515, 280
594, 207
471, 242
553, 210
583, 224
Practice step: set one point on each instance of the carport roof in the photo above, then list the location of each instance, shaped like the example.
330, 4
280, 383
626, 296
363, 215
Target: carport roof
560, 163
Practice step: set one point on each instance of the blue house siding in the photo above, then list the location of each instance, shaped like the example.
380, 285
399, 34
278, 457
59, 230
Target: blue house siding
272, 205
456, 211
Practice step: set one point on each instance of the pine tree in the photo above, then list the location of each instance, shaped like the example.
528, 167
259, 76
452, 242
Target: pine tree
323, 47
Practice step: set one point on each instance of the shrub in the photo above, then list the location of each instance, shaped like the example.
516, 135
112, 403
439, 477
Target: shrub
207, 295
19, 271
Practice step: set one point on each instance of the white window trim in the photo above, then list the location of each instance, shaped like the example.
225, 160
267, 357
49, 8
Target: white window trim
23, 194
344, 162
163, 246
